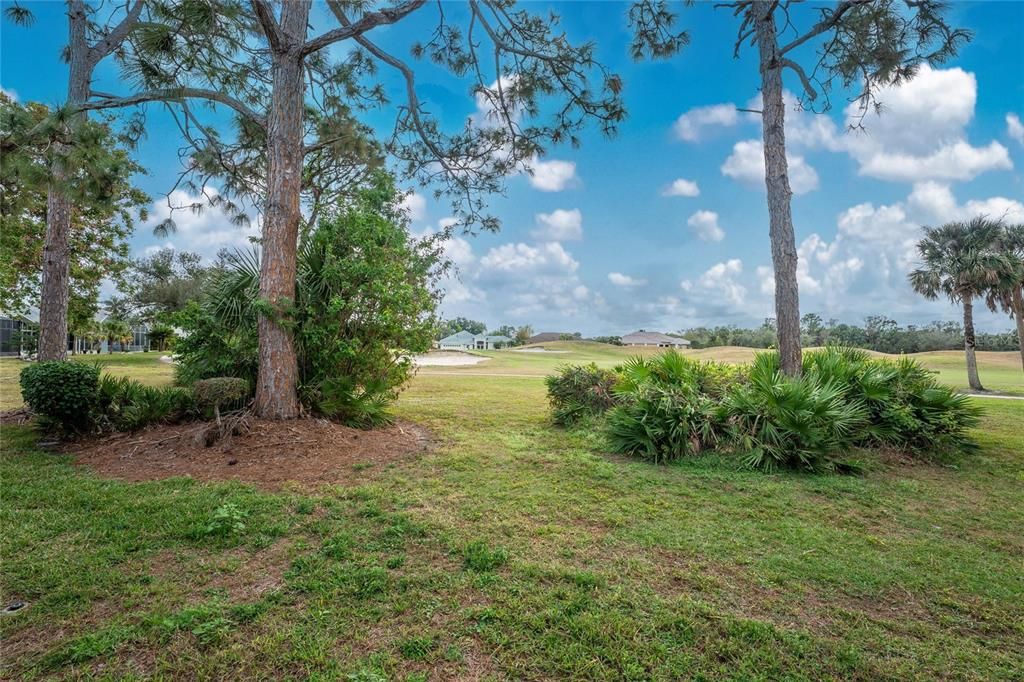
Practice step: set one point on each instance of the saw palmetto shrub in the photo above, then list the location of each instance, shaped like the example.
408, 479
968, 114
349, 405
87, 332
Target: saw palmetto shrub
579, 391
907, 407
667, 407
661, 423
62, 393
125, 404
774, 421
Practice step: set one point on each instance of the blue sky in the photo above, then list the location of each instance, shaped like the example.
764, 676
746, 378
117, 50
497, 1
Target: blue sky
665, 225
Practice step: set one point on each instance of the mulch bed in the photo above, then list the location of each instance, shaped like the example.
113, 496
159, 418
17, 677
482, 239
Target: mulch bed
310, 452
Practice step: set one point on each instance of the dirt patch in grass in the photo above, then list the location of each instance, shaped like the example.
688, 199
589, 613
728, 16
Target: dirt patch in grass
310, 452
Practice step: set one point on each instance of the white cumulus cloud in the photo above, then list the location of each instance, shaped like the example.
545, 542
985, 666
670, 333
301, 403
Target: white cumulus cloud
691, 125
415, 205
746, 164
681, 188
199, 226
621, 280
705, 225
552, 176
558, 226
720, 284
1014, 128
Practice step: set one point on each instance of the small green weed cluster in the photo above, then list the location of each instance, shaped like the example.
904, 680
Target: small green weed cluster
667, 407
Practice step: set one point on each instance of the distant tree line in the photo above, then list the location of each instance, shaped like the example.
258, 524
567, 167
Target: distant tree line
878, 333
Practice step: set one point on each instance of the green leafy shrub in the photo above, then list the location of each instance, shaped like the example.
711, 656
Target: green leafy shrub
125, 404
578, 391
365, 298
61, 392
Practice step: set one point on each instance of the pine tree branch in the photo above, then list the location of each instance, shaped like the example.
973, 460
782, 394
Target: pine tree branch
812, 94
171, 94
824, 25
116, 36
407, 73
362, 25
265, 16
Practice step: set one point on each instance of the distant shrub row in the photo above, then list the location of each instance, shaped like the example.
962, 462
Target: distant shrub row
75, 398
668, 407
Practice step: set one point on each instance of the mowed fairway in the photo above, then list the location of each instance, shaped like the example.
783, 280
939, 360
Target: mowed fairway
1000, 371
516, 550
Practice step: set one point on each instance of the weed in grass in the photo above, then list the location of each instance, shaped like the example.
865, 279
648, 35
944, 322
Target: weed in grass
478, 556
417, 648
92, 645
213, 631
366, 675
226, 520
368, 581
338, 547
396, 561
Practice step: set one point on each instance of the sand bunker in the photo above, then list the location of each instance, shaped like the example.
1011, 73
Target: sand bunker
447, 359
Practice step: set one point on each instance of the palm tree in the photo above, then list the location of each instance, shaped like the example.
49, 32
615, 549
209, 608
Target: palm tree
961, 261
116, 330
1008, 293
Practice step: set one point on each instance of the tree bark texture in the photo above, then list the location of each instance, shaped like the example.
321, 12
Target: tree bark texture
1017, 301
277, 377
780, 216
53, 299
969, 345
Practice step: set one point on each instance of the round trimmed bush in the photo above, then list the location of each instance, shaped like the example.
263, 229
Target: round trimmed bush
62, 392
220, 391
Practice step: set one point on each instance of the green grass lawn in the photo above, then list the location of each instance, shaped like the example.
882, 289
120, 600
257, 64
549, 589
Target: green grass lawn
516, 550
1000, 371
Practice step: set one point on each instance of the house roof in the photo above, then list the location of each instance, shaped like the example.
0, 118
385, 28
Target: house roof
458, 337
546, 337
653, 337
465, 337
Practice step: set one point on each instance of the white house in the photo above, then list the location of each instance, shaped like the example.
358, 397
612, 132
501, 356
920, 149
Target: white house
654, 339
465, 341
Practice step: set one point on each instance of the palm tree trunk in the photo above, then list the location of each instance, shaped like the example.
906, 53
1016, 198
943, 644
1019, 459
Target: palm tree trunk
1017, 302
277, 376
780, 216
969, 345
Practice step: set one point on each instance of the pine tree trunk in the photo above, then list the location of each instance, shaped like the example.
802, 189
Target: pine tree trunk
53, 299
780, 217
969, 345
1017, 301
277, 377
